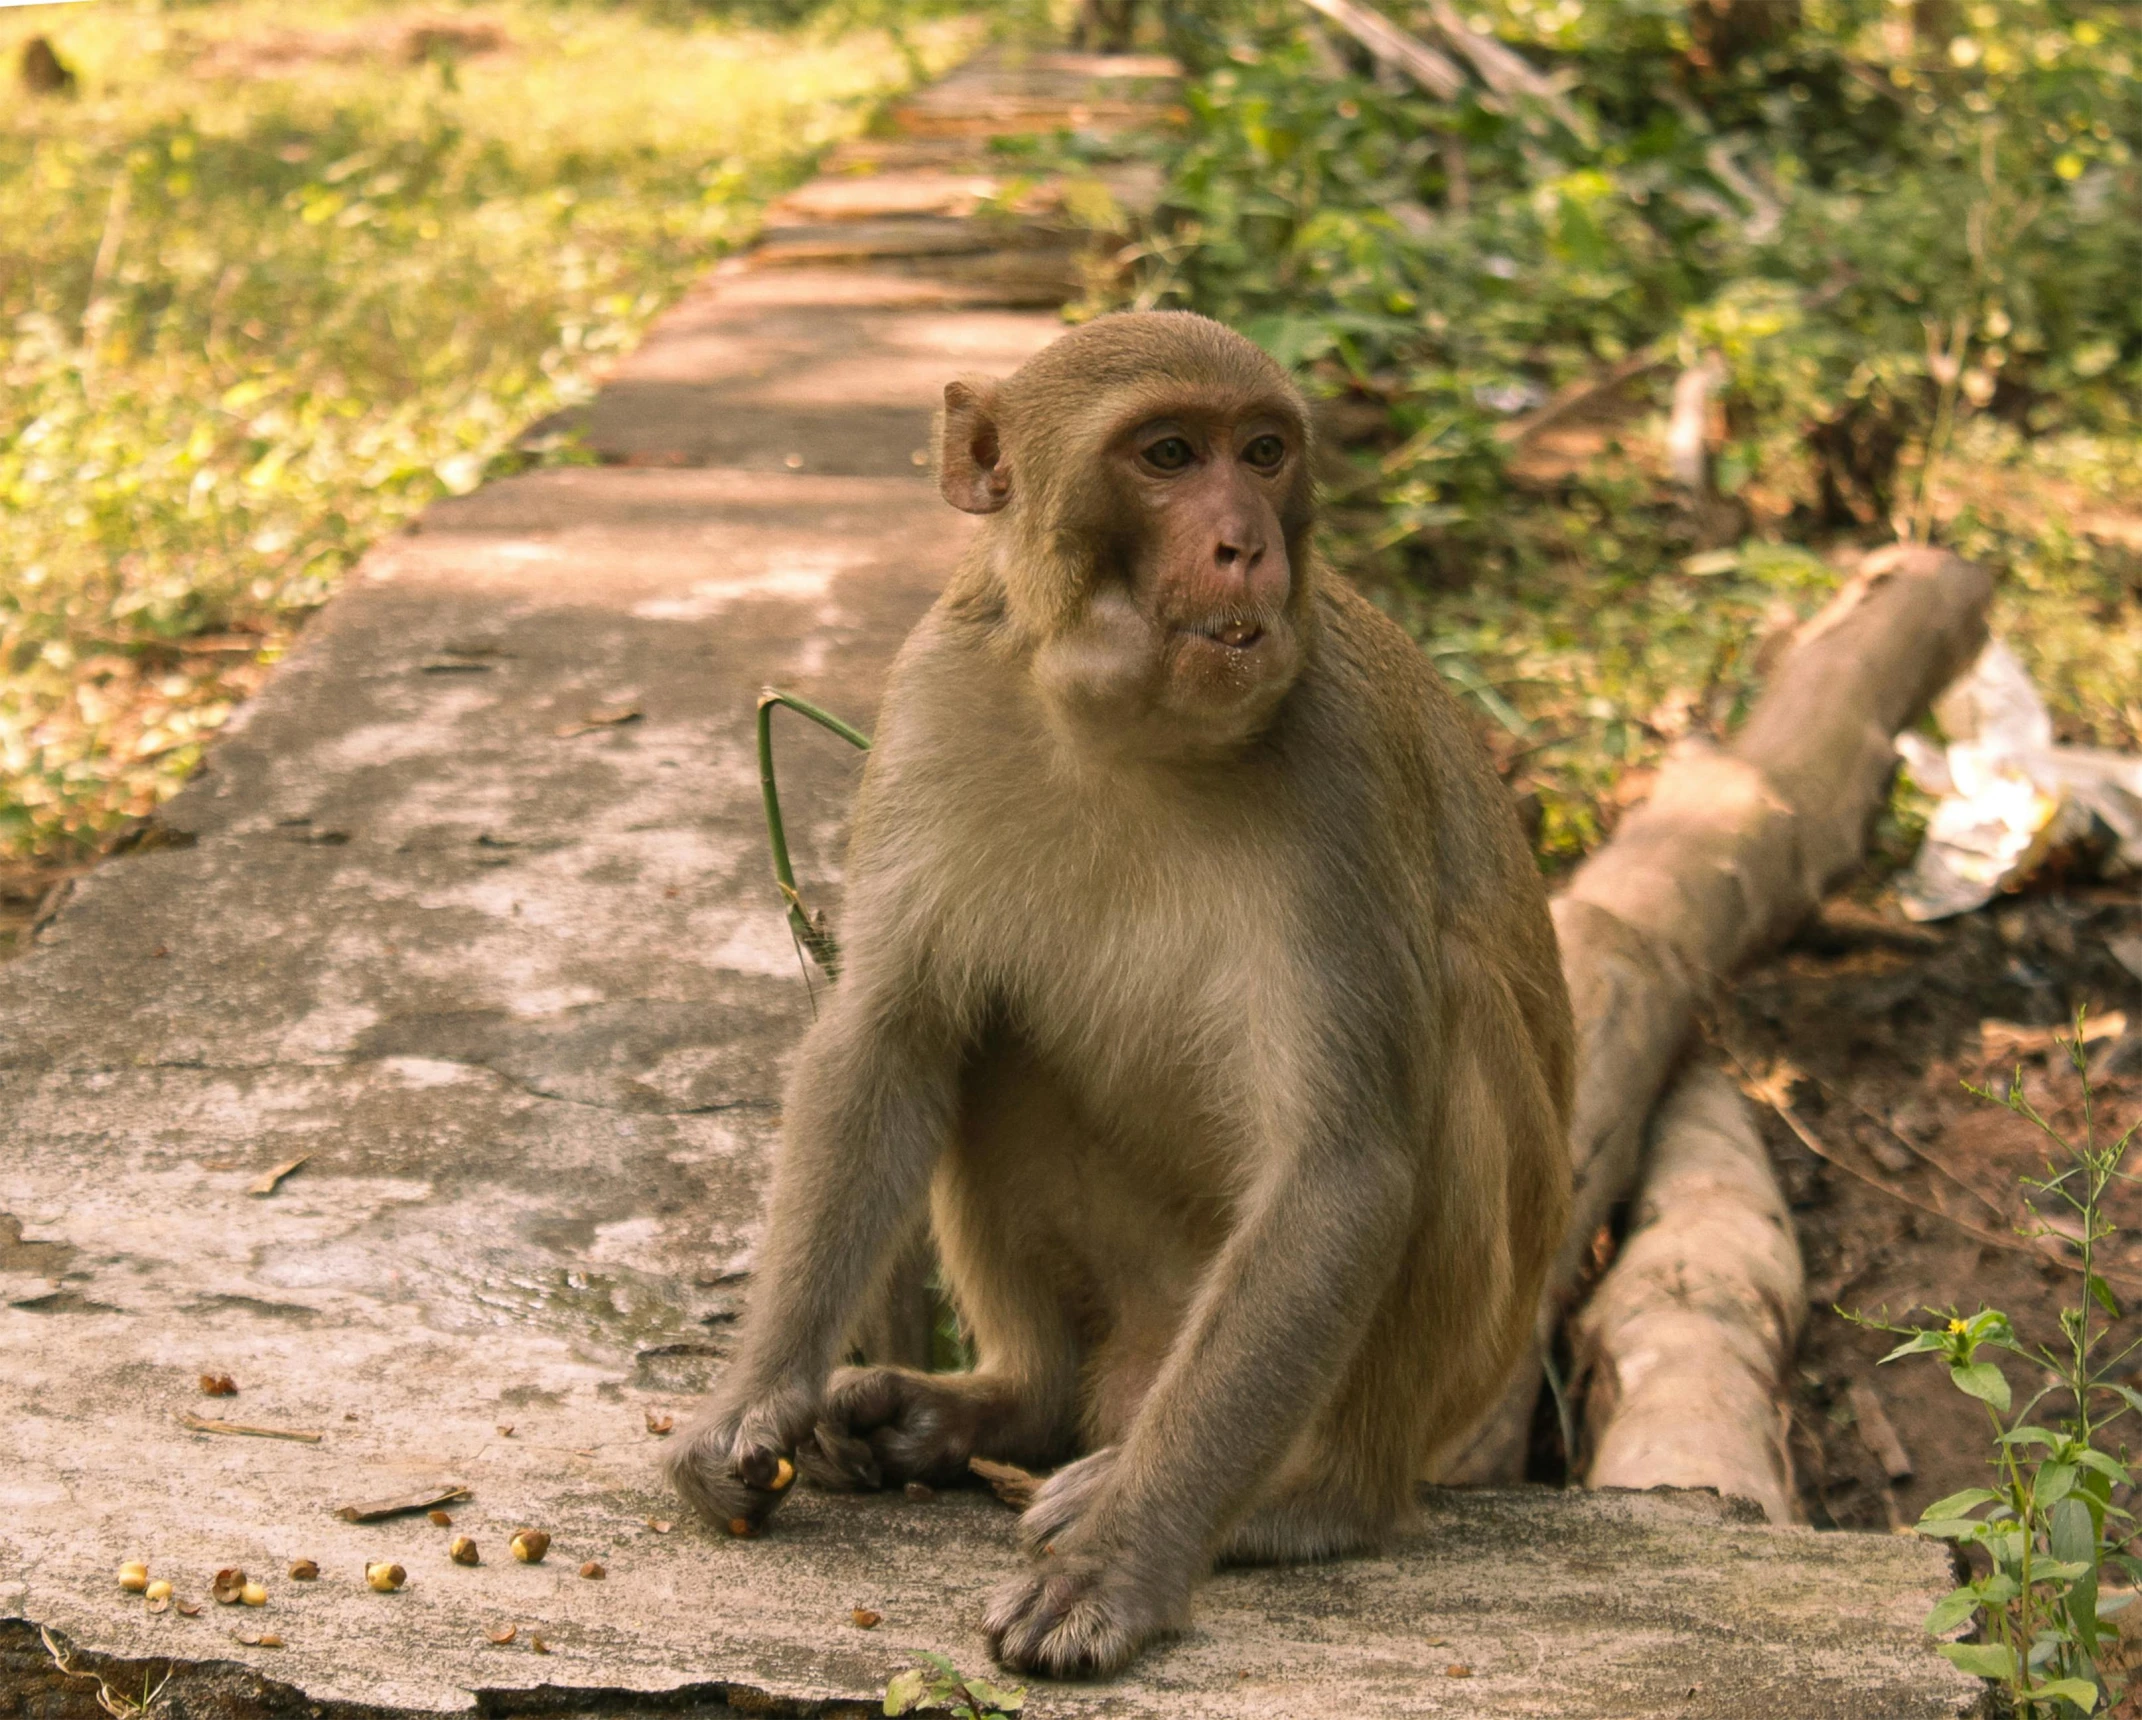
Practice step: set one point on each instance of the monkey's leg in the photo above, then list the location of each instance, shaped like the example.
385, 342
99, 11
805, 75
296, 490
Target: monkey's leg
868, 1111
1006, 1267
1254, 1363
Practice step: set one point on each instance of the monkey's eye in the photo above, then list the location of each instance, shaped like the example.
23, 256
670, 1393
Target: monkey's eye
1265, 453
1170, 454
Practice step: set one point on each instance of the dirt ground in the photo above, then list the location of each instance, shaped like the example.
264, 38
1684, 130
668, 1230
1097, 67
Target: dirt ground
1905, 1186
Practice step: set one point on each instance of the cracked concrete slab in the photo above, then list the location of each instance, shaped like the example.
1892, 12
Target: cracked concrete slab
470, 914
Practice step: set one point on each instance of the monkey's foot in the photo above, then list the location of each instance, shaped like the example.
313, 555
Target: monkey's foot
1062, 1500
910, 1426
1080, 1615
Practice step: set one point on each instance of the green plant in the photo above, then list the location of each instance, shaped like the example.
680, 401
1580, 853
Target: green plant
2047, 1529
937, 1684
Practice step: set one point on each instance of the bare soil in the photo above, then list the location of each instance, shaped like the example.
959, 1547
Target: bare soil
1906, 1187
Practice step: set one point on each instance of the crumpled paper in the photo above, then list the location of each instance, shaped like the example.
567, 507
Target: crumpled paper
2009, 796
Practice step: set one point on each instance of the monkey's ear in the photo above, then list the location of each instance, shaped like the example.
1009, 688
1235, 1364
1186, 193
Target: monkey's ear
971, 469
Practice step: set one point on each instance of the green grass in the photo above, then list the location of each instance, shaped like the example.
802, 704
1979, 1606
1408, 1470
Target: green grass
276, 278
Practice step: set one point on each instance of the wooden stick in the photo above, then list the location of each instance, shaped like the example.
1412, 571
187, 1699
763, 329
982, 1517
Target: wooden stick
201, 1424
1434, 72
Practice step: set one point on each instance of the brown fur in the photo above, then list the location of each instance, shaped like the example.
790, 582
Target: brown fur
1208, 996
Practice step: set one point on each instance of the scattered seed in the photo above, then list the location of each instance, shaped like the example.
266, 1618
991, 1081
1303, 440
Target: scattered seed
304, 1571
659, 1526
659, 1425
441, 1519
503, 1635
1454, 1670
463, 1551
254, 1594
384, 1577
227, 1585
505, 1430
258, 1638
133, 1576
159, 1603
865, 1619
784, 1473
218, 1385
529, 1545
920, 1491
740, 1527
539, 1645
189, 1609
593, 1571
159, 1590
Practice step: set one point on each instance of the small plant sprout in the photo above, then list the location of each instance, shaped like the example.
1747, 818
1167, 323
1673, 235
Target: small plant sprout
2047, 1528
937, 1684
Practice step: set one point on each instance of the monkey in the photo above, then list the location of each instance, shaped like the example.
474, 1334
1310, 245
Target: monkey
1199, 981
1105, 26
42, 71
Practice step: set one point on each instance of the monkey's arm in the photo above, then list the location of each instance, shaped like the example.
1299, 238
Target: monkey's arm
1274, 1325
867, 1112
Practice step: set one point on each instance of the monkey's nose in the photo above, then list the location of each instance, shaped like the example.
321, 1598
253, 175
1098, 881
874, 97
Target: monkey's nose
1230, 556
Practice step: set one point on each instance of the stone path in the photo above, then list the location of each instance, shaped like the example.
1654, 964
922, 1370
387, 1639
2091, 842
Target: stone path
471, 913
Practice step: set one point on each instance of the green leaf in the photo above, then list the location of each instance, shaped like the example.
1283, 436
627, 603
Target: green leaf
2079, 1691
1916, 1345
2103, 1292
1986, 1659
906, 1691
1956, 1504
2055, 1481
2132, 1398
1983, 1381
2073, 1532
1950, 1611
1006, 1700
2031, 1435
1952, 1528
2109, 1467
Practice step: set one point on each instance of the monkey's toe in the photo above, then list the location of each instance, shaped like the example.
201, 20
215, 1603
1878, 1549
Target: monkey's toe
734, 1490
1063, 1499
1075, 1617
915, 1429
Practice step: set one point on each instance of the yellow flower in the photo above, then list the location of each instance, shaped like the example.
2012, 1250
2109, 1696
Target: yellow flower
1958, 1326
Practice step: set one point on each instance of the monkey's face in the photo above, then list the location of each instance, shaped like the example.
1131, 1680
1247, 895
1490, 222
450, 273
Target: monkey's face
1150, 474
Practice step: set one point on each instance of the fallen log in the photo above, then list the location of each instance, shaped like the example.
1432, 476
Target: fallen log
1683, 1346
1736, 846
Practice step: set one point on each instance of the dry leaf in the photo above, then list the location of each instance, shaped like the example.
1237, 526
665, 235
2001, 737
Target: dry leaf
189, 1609
202, 1424
218, 1385
539, 1645
601, 717
2000, 1040
372, 1511
304, 1571
865, 1619
267, 1181
658, 1425
505, 1430
503, 1635
227, 1586
159, 1603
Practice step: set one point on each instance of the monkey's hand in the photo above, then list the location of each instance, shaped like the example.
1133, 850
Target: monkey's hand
1062, 1500
916, 1427
1084, 1612
735, 1464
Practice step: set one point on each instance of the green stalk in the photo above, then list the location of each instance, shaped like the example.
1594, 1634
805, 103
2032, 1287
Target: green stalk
810, 933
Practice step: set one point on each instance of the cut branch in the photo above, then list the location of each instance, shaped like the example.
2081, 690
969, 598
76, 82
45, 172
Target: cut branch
1735, 847
1436, 73
1685, 1343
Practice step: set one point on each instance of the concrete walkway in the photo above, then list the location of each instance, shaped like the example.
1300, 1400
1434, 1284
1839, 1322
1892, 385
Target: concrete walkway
471, 913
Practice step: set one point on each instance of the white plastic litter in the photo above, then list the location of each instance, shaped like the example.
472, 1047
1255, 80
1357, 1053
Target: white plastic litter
2009, 795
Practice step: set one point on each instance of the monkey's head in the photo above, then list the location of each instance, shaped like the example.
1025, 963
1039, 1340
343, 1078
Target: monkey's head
1149, 474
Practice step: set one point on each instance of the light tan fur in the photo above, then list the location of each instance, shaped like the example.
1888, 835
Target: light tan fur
1209, 999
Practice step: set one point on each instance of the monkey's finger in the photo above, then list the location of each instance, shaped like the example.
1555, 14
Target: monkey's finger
765, 1469
838, 1461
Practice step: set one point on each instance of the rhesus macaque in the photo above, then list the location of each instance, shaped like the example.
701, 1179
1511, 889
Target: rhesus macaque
1200, 980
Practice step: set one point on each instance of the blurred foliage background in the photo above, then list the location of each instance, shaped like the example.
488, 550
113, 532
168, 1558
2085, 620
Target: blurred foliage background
273, 277
1900, 236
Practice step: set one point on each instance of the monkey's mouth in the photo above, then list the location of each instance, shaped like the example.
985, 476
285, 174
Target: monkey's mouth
1235, 635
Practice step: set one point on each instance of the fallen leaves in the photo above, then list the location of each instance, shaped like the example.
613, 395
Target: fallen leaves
270, 1180
227, 1586
1998, 1041
601, 717
403, 1504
